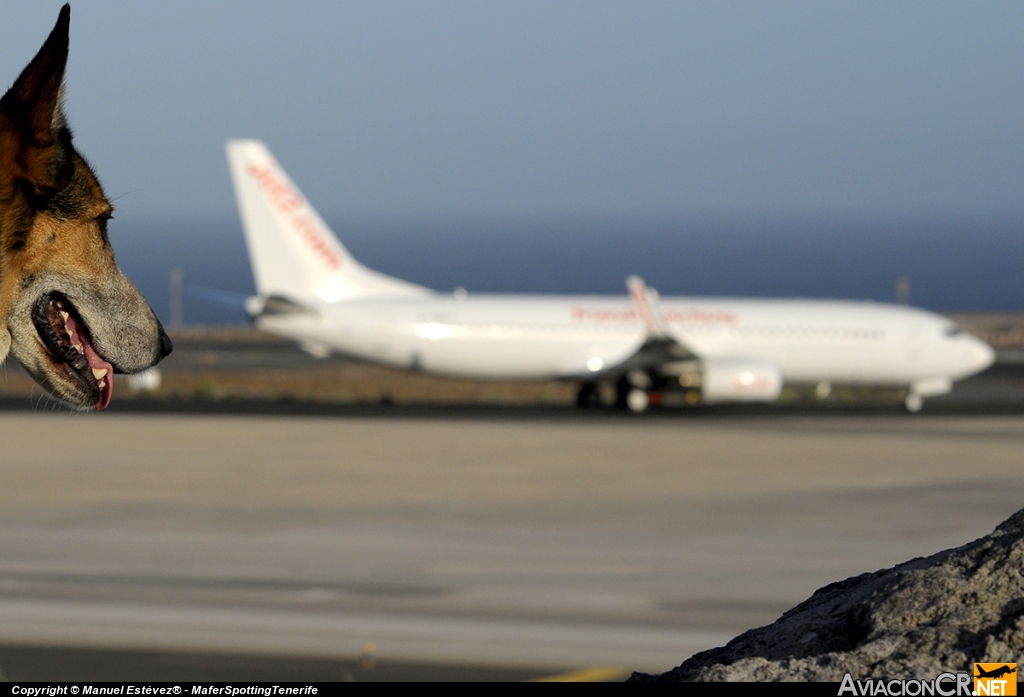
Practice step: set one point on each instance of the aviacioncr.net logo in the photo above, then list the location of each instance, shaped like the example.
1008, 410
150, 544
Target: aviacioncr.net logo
995, 678
945, 685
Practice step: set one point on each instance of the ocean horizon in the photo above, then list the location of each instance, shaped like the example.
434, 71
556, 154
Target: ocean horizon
962, 263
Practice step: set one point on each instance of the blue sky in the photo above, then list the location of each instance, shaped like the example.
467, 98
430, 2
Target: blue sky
568, 108
755, 148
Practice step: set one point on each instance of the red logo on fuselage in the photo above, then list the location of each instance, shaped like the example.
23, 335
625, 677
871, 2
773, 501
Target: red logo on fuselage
627, 315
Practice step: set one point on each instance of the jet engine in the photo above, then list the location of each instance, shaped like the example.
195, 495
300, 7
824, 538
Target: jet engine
737, 380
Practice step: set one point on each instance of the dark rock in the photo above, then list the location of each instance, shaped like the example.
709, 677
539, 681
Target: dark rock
916, 620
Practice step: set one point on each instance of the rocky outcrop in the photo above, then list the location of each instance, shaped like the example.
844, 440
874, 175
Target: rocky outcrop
916, 620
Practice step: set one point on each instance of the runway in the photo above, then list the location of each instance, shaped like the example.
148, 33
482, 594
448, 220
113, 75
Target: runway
534, 544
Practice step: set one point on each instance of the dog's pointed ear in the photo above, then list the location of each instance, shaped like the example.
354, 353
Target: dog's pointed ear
35, 144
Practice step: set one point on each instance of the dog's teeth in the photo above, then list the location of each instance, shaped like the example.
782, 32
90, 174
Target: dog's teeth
99, 373
78, 347
64, 315
102, 383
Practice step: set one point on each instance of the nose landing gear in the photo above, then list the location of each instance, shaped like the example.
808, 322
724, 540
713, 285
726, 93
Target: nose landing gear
913, 402
929, 387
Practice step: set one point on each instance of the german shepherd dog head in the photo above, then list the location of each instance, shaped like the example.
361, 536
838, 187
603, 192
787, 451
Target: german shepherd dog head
67, 313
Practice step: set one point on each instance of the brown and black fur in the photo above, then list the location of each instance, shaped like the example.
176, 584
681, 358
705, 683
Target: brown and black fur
54, 246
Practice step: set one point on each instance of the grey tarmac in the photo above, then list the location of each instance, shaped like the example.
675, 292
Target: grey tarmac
534, 543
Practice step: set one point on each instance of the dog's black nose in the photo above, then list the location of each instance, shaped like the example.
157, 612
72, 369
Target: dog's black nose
165, 344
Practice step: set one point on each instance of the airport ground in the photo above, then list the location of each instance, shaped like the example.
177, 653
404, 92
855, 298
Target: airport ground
230, 537
458, 547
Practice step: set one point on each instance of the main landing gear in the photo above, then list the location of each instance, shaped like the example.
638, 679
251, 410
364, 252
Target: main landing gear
633, 393
627, 397
638, 390
588, 396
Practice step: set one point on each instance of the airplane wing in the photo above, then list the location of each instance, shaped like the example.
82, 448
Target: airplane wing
660, 347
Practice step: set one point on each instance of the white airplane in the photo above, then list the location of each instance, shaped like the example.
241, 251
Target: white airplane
311, 290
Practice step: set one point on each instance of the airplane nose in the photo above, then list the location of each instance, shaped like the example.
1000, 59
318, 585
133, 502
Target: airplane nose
982, 355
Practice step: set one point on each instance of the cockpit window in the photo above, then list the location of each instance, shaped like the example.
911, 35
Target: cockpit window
952, 330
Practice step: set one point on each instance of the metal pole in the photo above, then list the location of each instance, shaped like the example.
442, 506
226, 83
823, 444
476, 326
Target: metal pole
177, 313
903, 290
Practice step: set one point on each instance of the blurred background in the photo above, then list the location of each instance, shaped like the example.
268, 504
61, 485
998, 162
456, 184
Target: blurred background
861, 151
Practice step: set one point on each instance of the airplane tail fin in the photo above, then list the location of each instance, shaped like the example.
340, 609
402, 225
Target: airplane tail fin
293, 252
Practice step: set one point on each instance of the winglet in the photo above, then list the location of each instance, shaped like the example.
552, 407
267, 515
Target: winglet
647, 304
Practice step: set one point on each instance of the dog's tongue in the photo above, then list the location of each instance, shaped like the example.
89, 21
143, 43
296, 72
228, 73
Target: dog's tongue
97, 364
107, 381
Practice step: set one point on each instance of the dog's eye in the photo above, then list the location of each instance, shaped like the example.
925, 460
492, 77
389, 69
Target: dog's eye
102, 222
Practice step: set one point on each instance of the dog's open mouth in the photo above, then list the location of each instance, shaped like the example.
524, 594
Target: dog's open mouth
70, 348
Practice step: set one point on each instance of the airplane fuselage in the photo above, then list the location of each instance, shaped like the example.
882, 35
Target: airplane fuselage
310, 289
544, 337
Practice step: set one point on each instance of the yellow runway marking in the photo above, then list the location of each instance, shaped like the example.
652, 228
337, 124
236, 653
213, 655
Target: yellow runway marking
588, 675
